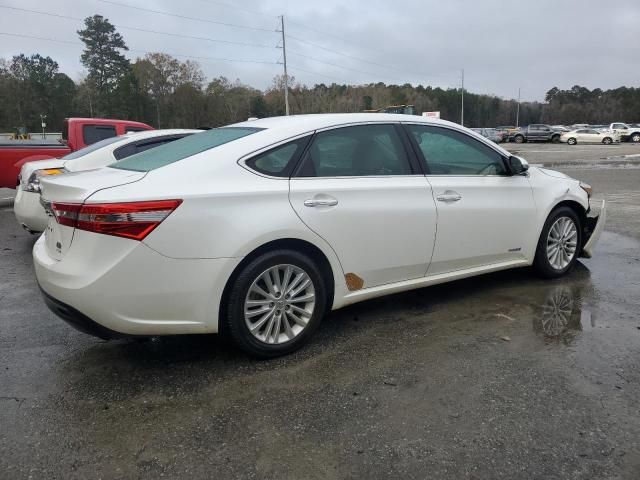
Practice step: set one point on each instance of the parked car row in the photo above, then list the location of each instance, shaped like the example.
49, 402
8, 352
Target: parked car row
574, 134
258, 229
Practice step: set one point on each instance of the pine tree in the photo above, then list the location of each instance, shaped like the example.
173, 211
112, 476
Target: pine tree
106, 65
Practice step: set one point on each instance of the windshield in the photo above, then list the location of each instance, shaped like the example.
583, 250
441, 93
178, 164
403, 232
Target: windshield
183, 148
91, 148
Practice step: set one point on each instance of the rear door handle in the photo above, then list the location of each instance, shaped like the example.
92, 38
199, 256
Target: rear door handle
449, 197
320, 202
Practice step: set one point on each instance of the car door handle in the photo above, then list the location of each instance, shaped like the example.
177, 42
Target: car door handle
320, 202
449, 196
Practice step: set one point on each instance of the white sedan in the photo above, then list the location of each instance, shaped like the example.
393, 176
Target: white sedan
589, 135
258, 229
27, 207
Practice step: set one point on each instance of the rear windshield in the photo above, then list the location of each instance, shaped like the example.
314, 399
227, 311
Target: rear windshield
183, 148
92, 148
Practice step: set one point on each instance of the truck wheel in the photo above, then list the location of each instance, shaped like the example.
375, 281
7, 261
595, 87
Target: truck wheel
555, 139
518, 139
607, 141
635, 137
572, 141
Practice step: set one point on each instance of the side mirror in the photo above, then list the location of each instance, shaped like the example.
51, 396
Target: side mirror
518, 165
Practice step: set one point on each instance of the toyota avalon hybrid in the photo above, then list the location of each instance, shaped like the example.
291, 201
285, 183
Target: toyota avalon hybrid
258, 229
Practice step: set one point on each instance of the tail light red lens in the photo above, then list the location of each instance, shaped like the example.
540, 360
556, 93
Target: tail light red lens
133, 220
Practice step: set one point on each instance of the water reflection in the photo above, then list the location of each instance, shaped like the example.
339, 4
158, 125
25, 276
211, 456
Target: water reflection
563, 313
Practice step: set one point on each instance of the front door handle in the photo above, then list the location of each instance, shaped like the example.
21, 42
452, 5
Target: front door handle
320, 202
449, 197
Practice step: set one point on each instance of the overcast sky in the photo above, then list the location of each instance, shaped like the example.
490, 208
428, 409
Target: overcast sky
501, 44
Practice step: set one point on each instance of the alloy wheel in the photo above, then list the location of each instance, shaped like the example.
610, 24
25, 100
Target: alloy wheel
562, 243
279, 304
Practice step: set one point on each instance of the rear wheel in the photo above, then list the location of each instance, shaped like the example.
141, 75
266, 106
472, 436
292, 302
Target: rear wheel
572, 141
607, 141
635, 138
559, 243
518, 139
275, 304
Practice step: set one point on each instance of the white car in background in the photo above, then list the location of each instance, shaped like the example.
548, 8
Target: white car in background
589, 135
258, 229
27, 208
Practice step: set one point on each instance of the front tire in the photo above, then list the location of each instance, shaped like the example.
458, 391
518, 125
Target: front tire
607, 141
559, 243
635, 138
572, 141
518, 139
275, 304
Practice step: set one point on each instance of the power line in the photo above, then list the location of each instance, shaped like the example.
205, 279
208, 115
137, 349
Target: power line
295, 69
160, 12
157, 32
217, 59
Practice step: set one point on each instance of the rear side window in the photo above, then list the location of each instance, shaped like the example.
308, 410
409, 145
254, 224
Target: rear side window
279, 161
92, 148
183, 148
143, 145
95, 133
359, 151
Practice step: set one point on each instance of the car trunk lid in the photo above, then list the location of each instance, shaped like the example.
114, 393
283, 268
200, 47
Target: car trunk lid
63, 192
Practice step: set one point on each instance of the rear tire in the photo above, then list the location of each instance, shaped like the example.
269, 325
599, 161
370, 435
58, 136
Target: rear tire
607, 141
559, 244
572, 141
253, 299
635, 138
518, 139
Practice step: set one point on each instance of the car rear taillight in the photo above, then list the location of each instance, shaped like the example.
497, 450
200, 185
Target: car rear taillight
133, 220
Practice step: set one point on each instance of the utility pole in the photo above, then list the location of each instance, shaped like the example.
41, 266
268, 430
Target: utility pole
518, 111
462, 101
286, 78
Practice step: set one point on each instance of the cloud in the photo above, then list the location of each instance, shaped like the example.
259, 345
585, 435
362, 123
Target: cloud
501, 45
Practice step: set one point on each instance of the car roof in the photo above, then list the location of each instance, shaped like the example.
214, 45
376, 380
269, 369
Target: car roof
299, 124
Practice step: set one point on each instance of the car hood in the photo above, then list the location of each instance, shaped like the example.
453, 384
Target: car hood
554, 173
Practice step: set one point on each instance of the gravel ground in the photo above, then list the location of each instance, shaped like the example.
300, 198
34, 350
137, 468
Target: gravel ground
502, 376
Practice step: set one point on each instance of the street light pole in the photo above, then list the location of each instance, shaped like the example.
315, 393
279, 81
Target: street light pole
462, 101
518, 110
43, 125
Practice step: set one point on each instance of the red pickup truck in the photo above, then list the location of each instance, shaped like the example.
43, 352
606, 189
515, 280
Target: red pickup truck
77, 133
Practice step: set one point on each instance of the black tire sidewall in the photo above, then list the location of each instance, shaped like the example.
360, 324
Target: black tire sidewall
234, 320
541, 262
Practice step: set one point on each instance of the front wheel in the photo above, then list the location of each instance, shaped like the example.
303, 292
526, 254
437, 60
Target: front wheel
555, 139
518, 139
572, 141
559, 243
607, 141
275, 304
635, 138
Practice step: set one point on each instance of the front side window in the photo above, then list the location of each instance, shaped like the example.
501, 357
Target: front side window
449, 152
620, 126
358, 151
95, 133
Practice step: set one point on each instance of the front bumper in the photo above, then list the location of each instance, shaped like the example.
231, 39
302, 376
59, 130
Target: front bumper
29, 212
593, 230
110, 286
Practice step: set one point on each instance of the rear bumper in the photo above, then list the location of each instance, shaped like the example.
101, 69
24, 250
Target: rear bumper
110, 287
29, 212
593, 230
78, 320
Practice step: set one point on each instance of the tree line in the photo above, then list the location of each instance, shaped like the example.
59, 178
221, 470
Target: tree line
165, 92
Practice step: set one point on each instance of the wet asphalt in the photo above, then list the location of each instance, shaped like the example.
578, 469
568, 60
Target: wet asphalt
501, 376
